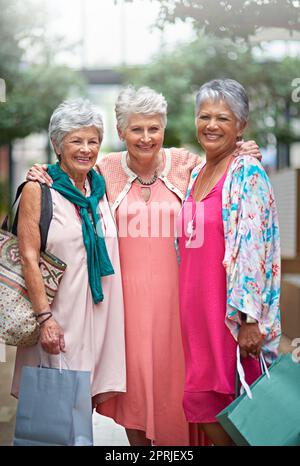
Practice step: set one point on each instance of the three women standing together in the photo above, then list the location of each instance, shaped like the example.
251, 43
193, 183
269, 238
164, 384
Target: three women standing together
146, 186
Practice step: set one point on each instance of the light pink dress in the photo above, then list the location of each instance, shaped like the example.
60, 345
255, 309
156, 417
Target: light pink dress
209, 347
94, 333
154, 354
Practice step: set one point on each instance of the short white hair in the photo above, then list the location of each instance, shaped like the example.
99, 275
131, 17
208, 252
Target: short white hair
229, 90
71, 115
143, 100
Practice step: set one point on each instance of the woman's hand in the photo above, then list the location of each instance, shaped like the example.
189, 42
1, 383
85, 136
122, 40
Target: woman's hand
248, 148
39, 173
52, 337
249, 339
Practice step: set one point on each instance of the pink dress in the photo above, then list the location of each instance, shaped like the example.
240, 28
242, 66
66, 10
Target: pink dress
209, 347
94, 333
154, 353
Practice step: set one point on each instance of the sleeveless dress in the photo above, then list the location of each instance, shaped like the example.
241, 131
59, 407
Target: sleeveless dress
154, 353
209, 347
94, 333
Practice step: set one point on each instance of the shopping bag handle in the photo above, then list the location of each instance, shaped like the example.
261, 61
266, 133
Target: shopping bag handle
61, 358
241, 372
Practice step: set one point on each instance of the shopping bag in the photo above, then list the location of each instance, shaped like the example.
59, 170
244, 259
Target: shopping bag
54, 408
268, 412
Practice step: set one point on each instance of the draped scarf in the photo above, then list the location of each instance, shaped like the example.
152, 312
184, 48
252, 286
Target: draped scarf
99, 264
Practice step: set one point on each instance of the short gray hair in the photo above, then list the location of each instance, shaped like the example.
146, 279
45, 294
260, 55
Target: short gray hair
229, 90
142, 100
71, 115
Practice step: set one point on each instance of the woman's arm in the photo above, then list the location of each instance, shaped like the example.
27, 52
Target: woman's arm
39, 172
51, 334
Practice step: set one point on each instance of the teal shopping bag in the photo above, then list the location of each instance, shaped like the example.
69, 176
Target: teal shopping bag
267, 414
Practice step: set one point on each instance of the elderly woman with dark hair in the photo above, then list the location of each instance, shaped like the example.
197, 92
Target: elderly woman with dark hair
230, 279
146, 185
86, 319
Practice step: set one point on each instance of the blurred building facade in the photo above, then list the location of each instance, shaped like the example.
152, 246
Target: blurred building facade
286, 184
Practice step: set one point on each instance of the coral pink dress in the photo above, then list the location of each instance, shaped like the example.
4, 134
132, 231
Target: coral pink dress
209, 347
154, 353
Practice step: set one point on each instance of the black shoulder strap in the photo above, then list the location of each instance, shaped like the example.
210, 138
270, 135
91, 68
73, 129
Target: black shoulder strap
4, 225
46, 213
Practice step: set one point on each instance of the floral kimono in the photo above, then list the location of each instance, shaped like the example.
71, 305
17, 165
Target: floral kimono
252, 250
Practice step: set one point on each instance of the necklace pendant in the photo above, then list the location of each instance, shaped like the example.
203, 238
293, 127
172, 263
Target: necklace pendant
190, 228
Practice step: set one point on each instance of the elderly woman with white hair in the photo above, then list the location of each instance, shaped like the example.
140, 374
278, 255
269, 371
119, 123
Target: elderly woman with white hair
230, 279
86, 319
146, 185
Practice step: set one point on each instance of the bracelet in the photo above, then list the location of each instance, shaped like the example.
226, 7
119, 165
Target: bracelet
37, 316
45, 320
43, 314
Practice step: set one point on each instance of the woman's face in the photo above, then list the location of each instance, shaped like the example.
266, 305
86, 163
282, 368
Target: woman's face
80, 150
144, 136
217, 127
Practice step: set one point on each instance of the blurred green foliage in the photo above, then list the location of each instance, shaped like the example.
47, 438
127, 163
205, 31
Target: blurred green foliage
179, 73
231, 18
35, 85
32, 98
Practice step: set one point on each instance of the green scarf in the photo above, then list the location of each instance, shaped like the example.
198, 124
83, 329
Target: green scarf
99, 264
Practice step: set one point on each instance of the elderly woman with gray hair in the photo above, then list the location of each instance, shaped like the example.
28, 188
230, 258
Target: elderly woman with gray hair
86, 319
230, 279
146, 185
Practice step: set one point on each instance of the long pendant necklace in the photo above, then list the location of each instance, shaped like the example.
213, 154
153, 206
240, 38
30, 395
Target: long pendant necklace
209, 184
207, 187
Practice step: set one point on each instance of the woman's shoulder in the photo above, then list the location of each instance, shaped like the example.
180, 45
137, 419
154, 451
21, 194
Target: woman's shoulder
31, 194
31, 187
183, 154
108, 161
30, 202
110, 156
245, 167
247, 175
247, 164
184, 159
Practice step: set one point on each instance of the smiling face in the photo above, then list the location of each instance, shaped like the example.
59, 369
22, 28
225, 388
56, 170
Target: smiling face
144, 136
79, 151
217, 128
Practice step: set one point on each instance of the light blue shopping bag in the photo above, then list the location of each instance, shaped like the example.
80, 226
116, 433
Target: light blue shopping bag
54, 408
